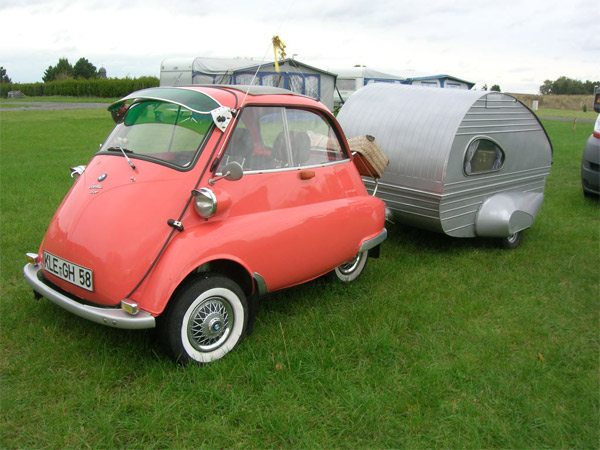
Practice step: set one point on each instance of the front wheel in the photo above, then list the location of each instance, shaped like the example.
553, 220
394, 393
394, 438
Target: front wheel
205, 320
512, 241
351, 270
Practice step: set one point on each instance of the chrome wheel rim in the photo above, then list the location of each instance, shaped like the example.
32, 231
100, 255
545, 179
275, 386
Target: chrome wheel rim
350, 266
512, 238
210, 324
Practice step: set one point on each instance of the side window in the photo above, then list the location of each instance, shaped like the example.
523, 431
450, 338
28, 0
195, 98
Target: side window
258, 141
240, 147
483, 155
274, 137
271, 130
312, 140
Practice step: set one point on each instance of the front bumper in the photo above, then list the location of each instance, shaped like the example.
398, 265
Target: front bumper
112, 317
590, 178
590, 166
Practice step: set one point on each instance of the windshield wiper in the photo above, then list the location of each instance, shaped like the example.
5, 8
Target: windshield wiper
124, 151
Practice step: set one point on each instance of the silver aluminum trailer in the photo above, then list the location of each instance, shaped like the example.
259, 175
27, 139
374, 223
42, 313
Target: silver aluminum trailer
463, 163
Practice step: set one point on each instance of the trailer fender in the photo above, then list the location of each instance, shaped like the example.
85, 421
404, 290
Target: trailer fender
506, 213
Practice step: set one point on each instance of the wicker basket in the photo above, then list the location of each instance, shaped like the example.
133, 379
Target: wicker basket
368, 156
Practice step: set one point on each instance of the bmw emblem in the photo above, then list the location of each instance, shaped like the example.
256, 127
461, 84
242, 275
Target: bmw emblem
102, 177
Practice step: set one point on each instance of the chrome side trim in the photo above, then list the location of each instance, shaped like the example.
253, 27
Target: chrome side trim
373, 242
295, 168
112, 317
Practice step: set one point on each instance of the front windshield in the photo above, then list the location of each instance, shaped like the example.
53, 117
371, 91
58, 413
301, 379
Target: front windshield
162, 131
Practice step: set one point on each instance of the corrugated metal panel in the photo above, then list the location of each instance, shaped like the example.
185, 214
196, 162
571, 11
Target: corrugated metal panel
410, 206
459, 205
415, 127
497, 113
425, 133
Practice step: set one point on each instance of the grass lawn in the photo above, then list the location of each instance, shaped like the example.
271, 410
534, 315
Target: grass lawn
568, 113
441, 343
16, 105
58, 98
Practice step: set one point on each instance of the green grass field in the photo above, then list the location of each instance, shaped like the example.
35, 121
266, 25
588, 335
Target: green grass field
567, 113
441, 343
57, 98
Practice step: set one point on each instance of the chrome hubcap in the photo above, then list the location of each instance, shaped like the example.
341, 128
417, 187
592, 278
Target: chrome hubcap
210, 324
350, 266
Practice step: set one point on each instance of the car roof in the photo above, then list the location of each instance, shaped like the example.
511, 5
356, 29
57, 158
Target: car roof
256, 90
203, 98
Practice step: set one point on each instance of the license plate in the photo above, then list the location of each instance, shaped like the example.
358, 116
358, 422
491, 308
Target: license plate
73, 273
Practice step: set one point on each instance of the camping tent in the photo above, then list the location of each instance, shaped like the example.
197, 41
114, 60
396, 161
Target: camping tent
293, 75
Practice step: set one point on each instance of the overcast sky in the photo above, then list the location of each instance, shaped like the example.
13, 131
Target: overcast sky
516, 44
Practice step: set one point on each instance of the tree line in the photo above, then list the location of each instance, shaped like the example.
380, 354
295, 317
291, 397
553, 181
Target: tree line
111, 88
494, 88
568, 86
63, 70
80, 80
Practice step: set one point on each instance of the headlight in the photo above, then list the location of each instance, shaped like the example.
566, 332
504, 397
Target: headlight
205, 202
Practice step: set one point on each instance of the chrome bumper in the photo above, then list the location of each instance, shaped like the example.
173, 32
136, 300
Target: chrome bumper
374, 241
111, 317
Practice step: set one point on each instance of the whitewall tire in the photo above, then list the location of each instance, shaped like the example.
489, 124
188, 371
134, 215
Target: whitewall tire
351, 270
206, 320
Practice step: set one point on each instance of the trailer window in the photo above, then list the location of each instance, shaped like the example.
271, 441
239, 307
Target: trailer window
482, 156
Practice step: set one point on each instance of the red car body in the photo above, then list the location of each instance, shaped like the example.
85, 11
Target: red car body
141, 225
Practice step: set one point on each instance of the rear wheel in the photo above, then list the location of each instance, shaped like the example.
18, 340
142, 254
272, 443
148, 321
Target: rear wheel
205, 321
351, 270
512, 241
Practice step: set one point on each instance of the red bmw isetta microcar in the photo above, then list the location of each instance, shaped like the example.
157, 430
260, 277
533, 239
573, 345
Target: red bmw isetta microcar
200, 200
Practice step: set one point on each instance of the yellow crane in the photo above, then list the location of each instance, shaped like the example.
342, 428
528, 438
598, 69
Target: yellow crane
278, 47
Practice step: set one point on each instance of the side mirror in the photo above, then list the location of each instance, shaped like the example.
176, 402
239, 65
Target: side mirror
232, 172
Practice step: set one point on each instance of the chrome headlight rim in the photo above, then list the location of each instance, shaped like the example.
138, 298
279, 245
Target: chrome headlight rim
205, 202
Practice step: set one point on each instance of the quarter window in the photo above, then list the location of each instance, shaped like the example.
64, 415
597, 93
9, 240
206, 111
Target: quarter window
482, 156
312, 140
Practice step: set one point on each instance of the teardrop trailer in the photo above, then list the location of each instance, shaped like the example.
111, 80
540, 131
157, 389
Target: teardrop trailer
200, 200
463, 163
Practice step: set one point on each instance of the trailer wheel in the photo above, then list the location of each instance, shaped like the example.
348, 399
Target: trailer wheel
204, 321
351, 270
511, 242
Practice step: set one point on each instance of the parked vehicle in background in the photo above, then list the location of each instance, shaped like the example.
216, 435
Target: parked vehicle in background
590, 163
200, 200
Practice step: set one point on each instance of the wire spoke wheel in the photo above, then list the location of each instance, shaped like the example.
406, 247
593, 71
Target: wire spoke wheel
351, 270
210, 324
